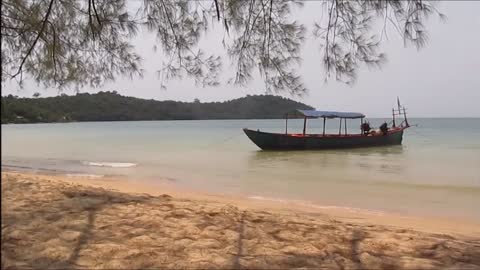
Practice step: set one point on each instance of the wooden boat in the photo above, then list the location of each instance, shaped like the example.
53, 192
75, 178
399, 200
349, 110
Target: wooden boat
287, 141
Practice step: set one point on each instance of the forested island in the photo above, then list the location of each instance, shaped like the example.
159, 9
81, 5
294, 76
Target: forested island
111, 106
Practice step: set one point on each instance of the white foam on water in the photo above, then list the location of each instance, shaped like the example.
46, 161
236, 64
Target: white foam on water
267, 199
349, 209
111, 164
316, 206
85, 175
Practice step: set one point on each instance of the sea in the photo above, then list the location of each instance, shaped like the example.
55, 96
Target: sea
435, 172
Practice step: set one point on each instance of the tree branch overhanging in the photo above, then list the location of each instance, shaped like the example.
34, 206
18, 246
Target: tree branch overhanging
32, 46
262, 33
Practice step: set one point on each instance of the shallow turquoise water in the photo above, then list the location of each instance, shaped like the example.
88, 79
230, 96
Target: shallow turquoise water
436, 171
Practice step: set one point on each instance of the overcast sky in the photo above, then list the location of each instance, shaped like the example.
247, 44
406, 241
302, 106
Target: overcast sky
441, 80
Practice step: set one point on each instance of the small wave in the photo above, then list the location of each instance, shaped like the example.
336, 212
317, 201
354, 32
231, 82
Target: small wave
85, 175
111, 164
345, 208
266, 199
316, 206
18, 167
27, 168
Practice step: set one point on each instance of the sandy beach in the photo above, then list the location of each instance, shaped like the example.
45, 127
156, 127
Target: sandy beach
56, 222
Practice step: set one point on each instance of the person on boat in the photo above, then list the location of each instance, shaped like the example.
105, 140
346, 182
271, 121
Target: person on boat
384, 128
365, 127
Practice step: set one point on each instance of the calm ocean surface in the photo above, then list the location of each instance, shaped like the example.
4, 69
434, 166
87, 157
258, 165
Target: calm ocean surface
435, 172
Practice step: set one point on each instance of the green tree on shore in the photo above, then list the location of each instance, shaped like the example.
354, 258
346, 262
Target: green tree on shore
110, 106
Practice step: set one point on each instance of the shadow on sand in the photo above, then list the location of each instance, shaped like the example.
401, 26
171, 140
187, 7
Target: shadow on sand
82, 228
82, 203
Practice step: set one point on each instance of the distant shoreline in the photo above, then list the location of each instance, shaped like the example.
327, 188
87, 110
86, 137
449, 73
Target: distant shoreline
162, 120
110, 106
219, 119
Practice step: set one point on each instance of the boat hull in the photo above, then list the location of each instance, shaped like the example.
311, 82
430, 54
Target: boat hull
277, 141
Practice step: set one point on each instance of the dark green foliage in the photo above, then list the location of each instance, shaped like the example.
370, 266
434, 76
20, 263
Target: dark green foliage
110, 106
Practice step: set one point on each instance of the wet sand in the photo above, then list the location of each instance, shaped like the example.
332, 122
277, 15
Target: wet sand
55, 222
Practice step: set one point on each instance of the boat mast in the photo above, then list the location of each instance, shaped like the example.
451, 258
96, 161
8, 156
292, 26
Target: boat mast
393, 115
398, 104
405, 116
404, 112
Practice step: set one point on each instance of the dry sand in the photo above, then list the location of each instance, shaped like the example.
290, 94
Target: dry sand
49, 222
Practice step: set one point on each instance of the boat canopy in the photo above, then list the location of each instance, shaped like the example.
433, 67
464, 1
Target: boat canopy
325, 114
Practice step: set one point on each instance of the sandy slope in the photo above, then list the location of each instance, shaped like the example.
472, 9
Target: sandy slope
52, 224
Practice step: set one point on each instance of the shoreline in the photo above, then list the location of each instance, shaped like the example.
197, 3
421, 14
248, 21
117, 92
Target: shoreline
425, 223
54, 222
228, 119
